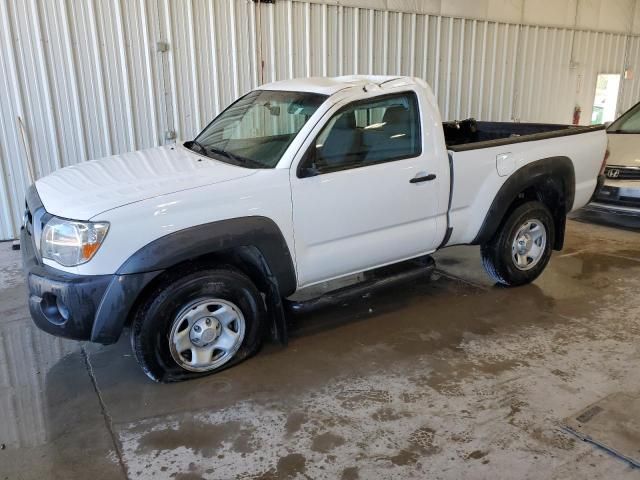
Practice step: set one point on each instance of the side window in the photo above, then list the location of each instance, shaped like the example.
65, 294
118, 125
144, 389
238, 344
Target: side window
366, 132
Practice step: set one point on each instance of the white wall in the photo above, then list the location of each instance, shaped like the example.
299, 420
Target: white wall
618, 16
86, 79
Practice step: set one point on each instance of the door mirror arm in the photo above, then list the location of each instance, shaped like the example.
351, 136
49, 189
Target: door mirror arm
309, 164
310, 171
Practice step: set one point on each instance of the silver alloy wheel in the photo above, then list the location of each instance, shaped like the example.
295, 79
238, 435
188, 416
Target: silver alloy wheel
529, 244
206, 334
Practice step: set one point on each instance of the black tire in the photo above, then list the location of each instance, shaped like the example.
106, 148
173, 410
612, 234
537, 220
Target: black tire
153, 319
497, 257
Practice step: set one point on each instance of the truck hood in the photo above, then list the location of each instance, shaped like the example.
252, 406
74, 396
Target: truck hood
624, 149
83, 191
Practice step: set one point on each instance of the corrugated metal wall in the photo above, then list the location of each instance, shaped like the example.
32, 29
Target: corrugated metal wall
85, 79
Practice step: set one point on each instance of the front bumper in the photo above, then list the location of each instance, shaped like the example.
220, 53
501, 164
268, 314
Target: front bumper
81, 307
617, 198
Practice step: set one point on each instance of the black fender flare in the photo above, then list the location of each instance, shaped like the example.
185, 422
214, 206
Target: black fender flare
256, 241
209, 238
556, 173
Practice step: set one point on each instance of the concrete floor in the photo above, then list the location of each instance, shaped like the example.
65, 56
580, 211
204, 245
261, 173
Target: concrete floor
451, 378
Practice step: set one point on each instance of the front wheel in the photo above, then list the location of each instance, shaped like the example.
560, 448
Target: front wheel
520, 250
197, 323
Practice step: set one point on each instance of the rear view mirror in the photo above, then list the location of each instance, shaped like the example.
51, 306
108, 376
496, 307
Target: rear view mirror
274, 110
298, 109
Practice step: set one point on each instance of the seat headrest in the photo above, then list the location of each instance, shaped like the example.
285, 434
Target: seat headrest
396, 114
346, 121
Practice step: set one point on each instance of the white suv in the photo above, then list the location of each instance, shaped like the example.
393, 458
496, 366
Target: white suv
620, 194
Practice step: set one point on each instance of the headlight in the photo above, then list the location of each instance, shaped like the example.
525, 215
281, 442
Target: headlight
71, 243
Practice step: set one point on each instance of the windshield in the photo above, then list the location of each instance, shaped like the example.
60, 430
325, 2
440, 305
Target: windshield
256, 130
629, 122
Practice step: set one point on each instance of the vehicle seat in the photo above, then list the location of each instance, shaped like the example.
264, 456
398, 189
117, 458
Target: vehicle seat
342, 142
397, 120
394, 138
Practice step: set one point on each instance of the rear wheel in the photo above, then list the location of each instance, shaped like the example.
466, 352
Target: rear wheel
197, 323
521, 248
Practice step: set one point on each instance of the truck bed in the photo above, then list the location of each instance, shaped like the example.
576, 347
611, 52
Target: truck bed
479, 168
470, 134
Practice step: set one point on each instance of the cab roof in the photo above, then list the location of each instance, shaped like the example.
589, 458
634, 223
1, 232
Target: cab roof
331, 85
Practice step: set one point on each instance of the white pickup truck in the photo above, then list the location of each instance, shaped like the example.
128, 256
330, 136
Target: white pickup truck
198, 245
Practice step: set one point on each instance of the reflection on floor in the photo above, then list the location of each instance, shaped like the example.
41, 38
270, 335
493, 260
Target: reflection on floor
451, 378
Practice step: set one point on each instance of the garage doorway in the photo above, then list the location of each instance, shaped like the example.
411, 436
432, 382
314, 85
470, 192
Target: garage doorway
605, 100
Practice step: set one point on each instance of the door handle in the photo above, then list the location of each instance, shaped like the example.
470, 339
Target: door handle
424, 178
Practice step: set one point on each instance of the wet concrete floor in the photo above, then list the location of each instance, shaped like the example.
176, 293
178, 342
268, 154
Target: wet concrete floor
448, 378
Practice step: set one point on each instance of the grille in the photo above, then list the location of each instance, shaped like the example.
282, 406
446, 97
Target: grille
622, 173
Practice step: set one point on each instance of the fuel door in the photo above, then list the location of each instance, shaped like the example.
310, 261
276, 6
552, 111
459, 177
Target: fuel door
505, 164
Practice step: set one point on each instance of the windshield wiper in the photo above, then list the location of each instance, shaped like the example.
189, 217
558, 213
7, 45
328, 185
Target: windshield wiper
217, 151
235, 158
195, 143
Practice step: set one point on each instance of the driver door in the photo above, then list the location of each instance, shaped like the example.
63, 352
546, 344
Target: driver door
364, 193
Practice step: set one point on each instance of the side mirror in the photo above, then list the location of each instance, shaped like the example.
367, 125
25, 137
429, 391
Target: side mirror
308, 165
607, 124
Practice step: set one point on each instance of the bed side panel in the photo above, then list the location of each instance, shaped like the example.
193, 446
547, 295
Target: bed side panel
476, 178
